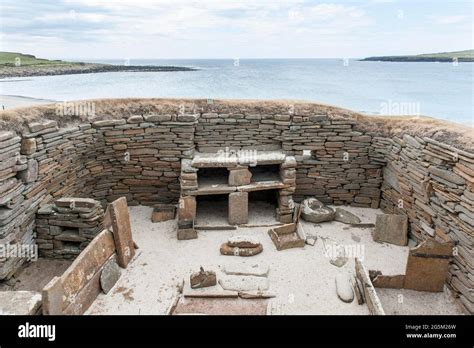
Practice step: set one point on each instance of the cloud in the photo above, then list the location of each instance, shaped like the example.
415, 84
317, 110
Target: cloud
453, 19
202, 28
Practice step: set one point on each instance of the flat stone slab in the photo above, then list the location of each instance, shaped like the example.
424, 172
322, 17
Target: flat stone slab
268, 157
213, 160
338, 261
262, 185
69, 202
244, 283
244, 268
232, 158
344, 288
19, 302
209, 188
256, 294
391, 228
346, 217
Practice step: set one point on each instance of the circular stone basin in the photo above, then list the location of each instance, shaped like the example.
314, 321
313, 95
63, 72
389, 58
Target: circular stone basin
315, 211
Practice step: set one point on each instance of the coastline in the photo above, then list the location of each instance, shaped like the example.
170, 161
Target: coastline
81, 68
18, 101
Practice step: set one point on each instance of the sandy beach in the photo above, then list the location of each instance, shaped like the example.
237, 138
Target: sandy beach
16, 101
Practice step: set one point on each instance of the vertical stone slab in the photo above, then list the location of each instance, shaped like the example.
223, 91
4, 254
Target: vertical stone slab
122, 231
84, 268
371, 298
187, 208
239, 176
391, 228
428, 265
238, 208
52, 297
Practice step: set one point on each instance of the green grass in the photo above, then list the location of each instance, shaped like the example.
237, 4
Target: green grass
451, 55
461, 56
9, 59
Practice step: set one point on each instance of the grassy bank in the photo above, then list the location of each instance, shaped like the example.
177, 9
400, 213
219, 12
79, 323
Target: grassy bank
461, 56
12, 59
14, 64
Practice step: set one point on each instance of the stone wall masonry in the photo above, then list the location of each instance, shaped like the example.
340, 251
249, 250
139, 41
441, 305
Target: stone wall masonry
338, 169
134, 149
139, 157
433, 184
66, 227
38, 164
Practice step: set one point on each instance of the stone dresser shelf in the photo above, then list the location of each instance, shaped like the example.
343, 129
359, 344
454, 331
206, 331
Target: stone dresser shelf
237, 174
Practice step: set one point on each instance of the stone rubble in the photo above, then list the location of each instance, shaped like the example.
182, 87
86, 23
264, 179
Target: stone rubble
202, 279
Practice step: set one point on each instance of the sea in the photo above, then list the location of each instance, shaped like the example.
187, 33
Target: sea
440, 90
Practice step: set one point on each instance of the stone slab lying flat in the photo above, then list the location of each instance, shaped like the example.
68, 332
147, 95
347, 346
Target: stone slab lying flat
232, 159
245, 268
20, 302
213, 160
209, 188
256, 294
262, 185
269, 157
344, 288
244, 283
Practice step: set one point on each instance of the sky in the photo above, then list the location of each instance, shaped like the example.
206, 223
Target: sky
133, 29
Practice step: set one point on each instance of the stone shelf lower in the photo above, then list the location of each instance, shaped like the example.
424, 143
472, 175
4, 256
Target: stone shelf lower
211, 186
262, 185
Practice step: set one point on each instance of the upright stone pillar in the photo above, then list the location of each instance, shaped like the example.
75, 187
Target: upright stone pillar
238, 208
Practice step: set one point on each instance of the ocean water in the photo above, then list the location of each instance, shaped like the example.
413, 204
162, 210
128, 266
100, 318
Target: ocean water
441, 90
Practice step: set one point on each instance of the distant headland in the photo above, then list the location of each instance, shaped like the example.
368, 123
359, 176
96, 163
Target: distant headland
459, 56
14, 64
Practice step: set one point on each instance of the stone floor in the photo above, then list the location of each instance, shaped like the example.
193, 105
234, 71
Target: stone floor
302, 279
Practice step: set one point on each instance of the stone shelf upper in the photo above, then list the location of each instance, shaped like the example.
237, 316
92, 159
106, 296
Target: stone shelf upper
230, 159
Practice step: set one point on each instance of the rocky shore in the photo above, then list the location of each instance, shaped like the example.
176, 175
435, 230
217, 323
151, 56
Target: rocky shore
80, 68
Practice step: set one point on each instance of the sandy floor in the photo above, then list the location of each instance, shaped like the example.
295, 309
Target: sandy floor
411, 302
212, 214
302, 279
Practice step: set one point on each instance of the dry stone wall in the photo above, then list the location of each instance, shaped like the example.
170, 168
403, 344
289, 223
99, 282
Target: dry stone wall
137, 154
433, 184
